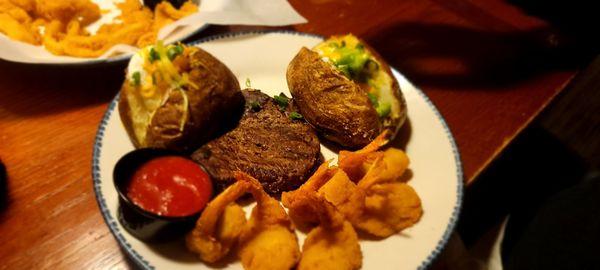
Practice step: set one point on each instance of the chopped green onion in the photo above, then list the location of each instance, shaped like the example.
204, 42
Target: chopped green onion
344, 69
384, 109
153, 55
255, 106
371, 66
343, 43
282, 100
137, 78
360, 46
248, 83
174, 51
373, 99
295, 116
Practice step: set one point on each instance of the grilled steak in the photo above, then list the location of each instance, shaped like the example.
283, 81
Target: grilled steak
270, 143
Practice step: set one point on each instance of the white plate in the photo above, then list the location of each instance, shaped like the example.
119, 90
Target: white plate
27, 53
263, 57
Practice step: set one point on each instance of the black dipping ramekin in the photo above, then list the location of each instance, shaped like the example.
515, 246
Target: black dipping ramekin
142, 224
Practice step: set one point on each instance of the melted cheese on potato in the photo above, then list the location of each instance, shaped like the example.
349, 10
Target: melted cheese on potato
148, 95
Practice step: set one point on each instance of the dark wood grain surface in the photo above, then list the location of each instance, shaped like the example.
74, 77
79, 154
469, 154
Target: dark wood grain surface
486, 65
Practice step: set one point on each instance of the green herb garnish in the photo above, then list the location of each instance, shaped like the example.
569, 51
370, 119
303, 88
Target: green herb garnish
255, 106
296, 116
137, 78
373, 99
153, 55
282, 100
174, 51
371, 66
248, 83
383, 109
360, 46
344, 69
351, 62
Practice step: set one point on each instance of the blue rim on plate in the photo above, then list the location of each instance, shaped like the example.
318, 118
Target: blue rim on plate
142, 262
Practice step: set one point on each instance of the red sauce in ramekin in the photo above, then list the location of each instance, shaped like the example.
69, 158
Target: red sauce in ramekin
170, 186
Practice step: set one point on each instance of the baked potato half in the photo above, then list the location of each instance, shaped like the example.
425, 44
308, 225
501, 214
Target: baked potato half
346, 91
178, 97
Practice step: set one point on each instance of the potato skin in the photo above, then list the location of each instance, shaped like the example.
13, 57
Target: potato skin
126, 114
338, 108
214, 106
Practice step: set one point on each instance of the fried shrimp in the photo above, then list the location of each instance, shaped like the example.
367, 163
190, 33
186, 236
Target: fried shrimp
223, 224
219, 226
331, 245
366, 189
355, 163
345, 196
268, 240
390, 208
300, 212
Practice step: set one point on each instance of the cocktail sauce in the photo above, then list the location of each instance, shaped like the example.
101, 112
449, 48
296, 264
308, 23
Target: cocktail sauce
170, 186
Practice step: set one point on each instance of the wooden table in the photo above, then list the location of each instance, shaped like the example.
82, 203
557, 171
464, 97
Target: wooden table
479, 62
